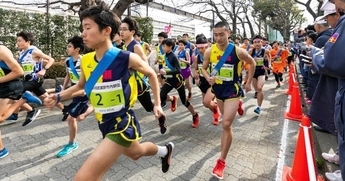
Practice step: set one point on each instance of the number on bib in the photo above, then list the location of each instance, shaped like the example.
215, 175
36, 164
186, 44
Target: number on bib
28, 68
108, 97
259, 61
278, 60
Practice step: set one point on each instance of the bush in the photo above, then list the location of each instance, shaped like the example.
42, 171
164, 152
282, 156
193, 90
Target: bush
56, 70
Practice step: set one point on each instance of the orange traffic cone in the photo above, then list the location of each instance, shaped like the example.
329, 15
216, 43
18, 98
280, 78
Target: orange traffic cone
292, 68
299, 170
295, 111
289, 91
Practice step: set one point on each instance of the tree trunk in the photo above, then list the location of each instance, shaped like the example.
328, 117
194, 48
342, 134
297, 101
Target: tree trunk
234, 19
250, 26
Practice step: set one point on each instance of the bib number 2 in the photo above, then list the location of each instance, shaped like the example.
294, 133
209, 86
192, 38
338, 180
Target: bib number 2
108, 97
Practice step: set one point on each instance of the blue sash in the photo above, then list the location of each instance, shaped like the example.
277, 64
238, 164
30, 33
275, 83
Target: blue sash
248, 47
161, 49
4, 65
105, 62
168, 63
280, 52
222, 60
72, 67
258, 53
23, 55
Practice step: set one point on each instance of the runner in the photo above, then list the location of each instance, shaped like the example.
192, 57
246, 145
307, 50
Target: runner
185, 62
127, 30
160, 56
201, 82
172, 72
78, 109
189, 47
226, 60
112, 96
278, 56
117, 41
246, 45
146, 46
10, 87
260, 55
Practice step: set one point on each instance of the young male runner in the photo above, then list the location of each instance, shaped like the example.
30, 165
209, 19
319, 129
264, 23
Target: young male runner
185, 61
10, 86
201, 82
78, 109
278, 56
260, 55
112, 95
226, 61
127, 29
172, 72
146, 46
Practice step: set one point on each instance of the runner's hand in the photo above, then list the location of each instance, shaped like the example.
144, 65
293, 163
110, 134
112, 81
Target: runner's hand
248, 87
197, 81
158, 111
50, 101
162, 72
211, 80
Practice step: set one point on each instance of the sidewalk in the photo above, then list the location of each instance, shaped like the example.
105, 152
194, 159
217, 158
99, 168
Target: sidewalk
254, 154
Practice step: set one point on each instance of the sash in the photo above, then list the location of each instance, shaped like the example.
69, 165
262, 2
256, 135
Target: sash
72, 67
4, 65
222, 60
105, 62
25, 53
168, 64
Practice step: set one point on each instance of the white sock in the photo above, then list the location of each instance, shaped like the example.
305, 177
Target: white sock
162, 151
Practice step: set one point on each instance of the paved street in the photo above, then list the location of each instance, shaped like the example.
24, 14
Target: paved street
254, 153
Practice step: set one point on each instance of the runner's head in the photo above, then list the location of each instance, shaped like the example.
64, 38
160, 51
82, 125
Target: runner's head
24, 40
129, 27
201, 44
182, 44
137, 36
257, 41
99, 25
185, 37
275, 44
75, 45
162, 36
221, 33
168, 45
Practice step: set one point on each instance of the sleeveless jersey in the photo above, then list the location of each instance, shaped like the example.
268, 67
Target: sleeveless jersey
182, 55
160, 54
200, 61
130, 48
29, 65
4, 69
230, 71
259, 57
74, 79
115, 91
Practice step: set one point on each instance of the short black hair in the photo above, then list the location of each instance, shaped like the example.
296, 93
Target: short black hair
162, 34
77, 42
185, 34
132, 24
312, 36
103, 17
27, 36
183, 42
200, 35
169, 42
201, 40
257, 37
222, 24
138, 34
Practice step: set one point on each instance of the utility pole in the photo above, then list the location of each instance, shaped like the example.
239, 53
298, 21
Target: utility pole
48, 26
129, 10
147, 8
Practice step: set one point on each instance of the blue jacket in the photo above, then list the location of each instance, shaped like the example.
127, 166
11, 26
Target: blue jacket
322, 38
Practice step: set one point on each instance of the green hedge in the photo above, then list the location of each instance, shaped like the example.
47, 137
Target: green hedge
50, 37
56, 70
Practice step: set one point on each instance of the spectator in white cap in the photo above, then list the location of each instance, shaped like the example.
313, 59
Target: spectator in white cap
339, 5
330, 13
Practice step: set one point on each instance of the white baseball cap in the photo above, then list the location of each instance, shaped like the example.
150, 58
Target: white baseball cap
327, 6
320, 20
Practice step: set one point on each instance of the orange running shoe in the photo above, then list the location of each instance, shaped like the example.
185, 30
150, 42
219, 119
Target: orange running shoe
240, 109
173, 104
216, 116
218, 170
195, 123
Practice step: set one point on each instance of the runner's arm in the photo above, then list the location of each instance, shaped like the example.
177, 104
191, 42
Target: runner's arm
176, 66
206, 63
40, 55
16, 71
139, 51
137, 64
243, 55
